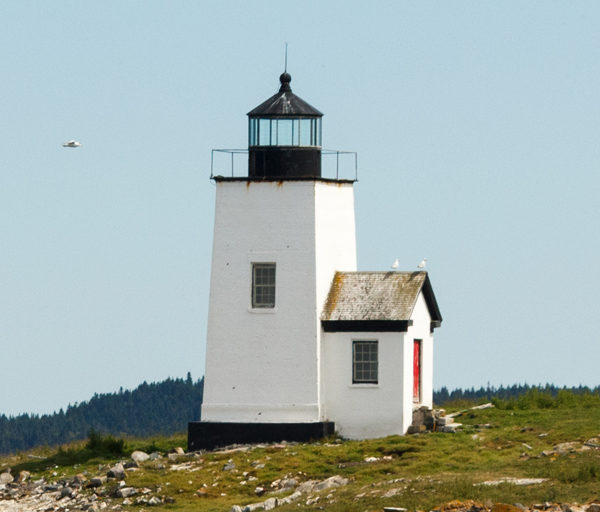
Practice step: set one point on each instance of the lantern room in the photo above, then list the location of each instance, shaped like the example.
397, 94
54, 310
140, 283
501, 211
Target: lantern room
284, 137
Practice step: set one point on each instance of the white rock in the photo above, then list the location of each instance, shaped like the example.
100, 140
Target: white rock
6, 478
140, 456
125, 492
270, 504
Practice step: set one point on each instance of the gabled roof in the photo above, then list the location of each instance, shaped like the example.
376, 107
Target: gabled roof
377, 299
285, 103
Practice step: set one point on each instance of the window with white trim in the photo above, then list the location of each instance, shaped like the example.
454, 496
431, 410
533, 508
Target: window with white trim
365, 362
263, 285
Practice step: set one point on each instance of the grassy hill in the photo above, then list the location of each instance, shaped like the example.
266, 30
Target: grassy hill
519, 439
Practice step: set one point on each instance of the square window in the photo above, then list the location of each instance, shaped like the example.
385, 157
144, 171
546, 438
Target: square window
365, 366
263, 285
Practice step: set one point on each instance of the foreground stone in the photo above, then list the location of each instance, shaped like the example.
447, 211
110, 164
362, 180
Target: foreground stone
514, 481
308, 487
117, 471
139, 456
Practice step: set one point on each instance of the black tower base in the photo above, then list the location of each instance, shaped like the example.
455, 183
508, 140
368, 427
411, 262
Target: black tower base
207, 435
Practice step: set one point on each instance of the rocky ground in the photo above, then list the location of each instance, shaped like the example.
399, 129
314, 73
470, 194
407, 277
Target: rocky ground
106, 487
108, 491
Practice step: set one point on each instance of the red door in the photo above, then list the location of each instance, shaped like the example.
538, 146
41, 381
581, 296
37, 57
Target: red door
417, 371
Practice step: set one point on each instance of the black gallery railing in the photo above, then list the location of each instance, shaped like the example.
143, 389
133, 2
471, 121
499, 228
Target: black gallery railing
233, 163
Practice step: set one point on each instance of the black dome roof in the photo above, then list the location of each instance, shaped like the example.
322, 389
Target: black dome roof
285, 103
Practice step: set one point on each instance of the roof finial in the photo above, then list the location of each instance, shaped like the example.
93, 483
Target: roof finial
285, 77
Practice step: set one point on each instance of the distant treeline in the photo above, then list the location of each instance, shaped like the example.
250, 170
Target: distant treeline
162, 408
508, 394
165, 408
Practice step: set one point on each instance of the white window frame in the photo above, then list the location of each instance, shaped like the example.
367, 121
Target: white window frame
360, 373
256, 300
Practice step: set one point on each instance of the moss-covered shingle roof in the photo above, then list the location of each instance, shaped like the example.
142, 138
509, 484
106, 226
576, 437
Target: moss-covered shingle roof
378, 296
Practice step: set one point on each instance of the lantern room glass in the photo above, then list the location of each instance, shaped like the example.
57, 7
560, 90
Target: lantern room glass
285, 132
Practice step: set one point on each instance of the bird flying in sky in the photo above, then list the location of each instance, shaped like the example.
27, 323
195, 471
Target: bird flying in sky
423, 263
396, 264
72, 144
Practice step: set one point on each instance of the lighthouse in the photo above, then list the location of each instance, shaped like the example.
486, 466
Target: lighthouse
283, 264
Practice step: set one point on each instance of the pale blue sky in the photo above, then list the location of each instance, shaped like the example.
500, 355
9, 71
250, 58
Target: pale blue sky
476, 124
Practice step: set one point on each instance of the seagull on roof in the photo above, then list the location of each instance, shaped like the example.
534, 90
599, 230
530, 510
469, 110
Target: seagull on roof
423, 263
72, 144
396, 264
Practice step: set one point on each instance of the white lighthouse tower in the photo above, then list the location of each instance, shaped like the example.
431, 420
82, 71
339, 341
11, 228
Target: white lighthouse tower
281, 233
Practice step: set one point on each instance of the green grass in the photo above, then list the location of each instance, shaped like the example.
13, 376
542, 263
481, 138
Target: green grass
424, 470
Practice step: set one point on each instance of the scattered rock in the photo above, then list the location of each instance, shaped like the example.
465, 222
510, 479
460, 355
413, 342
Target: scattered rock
66, 492
126, 492
309, 487
462, 506
270, 504
78, 480
6, 478
489, 405
288, 484
564, 448
423, 419
451, 428
229, 466
504, 507
574, 508
514, 481
139, 456
117, 471
186, 466
390, 494
97, 481
442, 421
23, 476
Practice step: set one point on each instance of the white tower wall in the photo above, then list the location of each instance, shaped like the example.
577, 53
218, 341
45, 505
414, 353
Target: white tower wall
263, 364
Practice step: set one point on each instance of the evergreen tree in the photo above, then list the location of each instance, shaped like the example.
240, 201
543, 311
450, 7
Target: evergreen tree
161, 408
